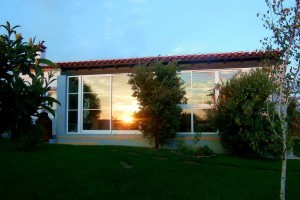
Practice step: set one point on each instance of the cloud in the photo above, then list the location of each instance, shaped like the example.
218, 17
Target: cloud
189, 47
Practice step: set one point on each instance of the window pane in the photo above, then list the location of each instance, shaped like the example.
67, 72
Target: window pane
73, 101
73, 104
200, 96
185, 121
73, 85
225, 75
123, 98
204, 80
120, 83
123, 117
186, 77
123, 104
201, 122
96, 84
96, 101
72, 121
96, 119
202, 83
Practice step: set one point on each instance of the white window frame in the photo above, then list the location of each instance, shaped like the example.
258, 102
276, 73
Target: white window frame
78, 105
192, 107
82, 131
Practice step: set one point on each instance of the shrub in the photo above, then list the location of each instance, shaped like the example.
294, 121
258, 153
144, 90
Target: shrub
189, 150
194, 149
241, 114
293, 120
30, 138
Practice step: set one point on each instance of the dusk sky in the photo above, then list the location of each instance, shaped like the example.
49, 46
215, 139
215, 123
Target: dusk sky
101, 29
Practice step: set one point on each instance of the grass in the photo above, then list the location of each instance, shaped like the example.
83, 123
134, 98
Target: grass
114, 172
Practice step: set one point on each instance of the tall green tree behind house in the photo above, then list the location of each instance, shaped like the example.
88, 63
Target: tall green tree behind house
20, 100
159, 90
283, 20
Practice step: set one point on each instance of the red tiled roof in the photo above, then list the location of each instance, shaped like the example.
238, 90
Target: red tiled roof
182, 58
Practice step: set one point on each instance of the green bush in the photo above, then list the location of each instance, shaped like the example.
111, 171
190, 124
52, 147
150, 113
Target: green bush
207, 151
293, 120
29, 140
241, 115
194, 149
184, 149
190, 150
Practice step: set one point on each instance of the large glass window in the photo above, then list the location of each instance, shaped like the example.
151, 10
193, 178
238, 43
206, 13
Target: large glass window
101, 102
198, 86
123, 104
105, 102
96, 103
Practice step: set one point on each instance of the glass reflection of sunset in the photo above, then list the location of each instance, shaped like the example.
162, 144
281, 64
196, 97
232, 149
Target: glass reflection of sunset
127, 119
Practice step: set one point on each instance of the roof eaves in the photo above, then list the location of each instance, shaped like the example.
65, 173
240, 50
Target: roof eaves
193, 58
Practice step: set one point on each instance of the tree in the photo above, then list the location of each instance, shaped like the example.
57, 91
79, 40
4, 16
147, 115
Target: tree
20, 100
283, 20
240, 114
159, 90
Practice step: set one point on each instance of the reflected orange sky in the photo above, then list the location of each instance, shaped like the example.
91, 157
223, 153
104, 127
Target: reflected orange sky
127, 119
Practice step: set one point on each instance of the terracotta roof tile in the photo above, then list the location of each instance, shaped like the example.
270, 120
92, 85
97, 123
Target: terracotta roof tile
187, 58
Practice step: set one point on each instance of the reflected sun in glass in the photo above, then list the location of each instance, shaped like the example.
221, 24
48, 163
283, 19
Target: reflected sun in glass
127, 119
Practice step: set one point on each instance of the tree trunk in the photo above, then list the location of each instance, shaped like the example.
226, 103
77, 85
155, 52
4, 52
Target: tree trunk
283, 162
283, 178
282, 114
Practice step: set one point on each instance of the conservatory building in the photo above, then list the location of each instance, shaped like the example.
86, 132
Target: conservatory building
97, 106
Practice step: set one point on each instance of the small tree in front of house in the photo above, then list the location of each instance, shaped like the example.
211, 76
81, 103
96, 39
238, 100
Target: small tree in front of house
283, 20
159, 90
20, 100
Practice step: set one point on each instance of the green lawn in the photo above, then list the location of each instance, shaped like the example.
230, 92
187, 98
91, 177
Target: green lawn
110, 172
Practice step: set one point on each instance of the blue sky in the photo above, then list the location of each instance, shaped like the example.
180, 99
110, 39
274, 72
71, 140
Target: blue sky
101, 29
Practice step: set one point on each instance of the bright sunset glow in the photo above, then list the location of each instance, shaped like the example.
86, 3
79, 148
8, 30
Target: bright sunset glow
127, 119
